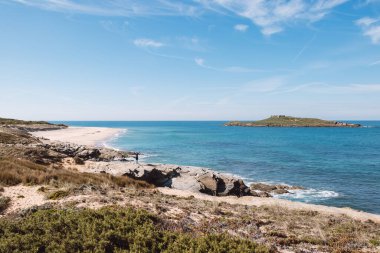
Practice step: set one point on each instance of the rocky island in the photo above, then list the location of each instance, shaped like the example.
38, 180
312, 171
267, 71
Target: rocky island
288, 121
47, 185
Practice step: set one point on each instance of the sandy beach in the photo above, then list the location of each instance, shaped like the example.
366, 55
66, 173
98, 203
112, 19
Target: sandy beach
95, 135
90, 136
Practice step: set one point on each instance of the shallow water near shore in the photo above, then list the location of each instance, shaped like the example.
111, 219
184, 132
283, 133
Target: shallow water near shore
338, 166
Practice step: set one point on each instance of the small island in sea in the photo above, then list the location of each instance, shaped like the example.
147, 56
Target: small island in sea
288, 121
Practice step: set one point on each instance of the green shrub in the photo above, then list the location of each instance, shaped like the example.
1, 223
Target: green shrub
4, 203
58, 194
107, 230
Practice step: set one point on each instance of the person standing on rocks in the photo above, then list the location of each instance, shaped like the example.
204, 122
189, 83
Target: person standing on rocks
137, 157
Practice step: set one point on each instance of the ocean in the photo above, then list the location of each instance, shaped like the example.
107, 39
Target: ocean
338, 166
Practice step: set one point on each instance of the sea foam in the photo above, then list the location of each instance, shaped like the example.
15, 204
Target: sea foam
308, 195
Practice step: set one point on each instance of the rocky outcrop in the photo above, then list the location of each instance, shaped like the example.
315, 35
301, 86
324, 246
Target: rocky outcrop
195, 179
269, 189
85, 153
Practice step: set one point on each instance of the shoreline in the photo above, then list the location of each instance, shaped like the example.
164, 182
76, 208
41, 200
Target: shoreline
88, 136
95, 135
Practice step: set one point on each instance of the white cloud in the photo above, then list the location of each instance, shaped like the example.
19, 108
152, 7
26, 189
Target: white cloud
148, 43
366, 21
241, 27
199, 62
273, 16
370, 28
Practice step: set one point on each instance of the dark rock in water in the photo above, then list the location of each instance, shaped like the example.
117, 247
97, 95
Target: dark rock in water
268, 189
263, 187
280, 191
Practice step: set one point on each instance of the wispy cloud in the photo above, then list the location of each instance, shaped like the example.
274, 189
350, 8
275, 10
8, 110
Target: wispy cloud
324, 88
241, 27
264, 85
192, 43
273, 16
233, 69
281, 84
341, 89
370, 28
306, 46
375, 63
116, 7
148, 43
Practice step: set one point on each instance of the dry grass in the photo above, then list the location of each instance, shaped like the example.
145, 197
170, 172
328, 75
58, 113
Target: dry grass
4, 121
15, 171
275, 226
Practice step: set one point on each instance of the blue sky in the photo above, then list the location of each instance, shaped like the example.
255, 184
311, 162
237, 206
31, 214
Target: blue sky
189, 60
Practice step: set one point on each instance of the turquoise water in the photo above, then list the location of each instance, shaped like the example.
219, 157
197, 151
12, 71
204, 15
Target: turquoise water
339, 166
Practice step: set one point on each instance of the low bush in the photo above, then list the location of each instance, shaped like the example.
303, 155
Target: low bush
108, 230
58, 194
4, 203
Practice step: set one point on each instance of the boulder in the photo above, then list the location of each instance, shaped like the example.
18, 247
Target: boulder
153, 175
222, 185
268, 189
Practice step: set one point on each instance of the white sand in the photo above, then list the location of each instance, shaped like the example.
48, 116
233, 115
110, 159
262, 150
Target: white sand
91, 136
23, 197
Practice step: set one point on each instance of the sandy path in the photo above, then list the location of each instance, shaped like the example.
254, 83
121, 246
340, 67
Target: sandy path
256, 201
91, 136
23, 197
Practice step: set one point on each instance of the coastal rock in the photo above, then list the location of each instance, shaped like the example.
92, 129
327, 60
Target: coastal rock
194, 179
86, 153
153, 175
268, 189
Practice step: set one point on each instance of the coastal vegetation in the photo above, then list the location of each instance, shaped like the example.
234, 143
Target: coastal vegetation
5, 121
111, 229
98, 212
288, 121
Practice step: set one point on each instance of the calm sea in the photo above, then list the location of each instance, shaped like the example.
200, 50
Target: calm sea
338, 166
